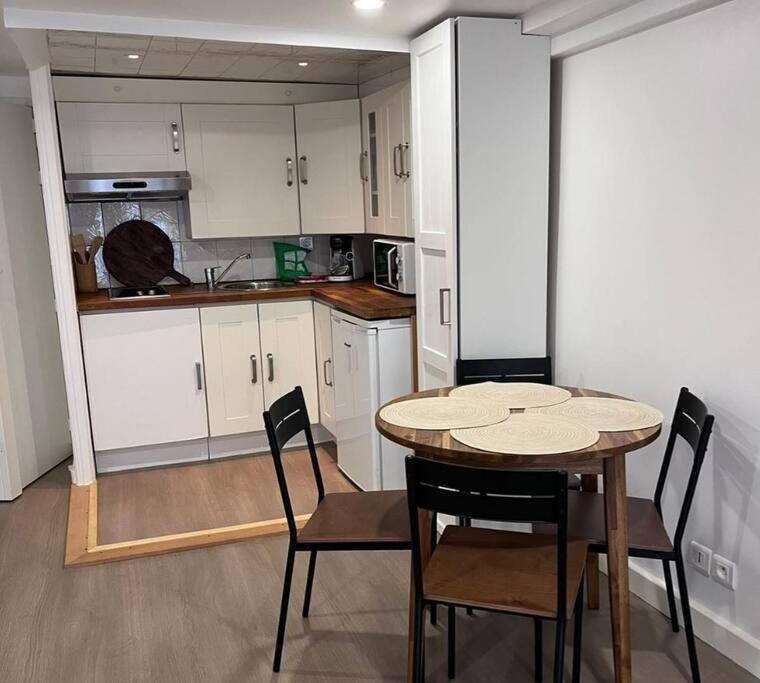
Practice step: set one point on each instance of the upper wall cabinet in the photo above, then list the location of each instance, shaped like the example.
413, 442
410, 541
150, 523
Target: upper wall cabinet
121, 138
386, 161
242, 160
330, 184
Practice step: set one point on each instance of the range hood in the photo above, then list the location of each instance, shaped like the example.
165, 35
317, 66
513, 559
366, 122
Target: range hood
103, 187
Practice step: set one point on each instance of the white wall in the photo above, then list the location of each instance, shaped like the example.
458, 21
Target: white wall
32, 397
656, 257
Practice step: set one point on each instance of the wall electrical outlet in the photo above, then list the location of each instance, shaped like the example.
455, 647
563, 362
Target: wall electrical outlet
724, 572
701, 557
306, 242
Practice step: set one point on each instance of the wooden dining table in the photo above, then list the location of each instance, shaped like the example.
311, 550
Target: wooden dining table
607, 454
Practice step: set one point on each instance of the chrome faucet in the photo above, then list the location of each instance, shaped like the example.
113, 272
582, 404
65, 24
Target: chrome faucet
211, 278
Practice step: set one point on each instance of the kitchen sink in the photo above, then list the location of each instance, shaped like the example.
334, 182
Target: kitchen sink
250, 285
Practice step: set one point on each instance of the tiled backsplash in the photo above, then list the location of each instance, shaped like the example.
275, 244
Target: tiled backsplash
192, 256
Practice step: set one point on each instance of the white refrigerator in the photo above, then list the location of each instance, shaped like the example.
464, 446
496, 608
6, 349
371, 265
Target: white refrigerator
373, 364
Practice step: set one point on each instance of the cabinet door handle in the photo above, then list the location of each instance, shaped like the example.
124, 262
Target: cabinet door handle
254, 371
363, 167
302, 169
289, 171
348, 351
324, 371
175, 136
199, 376
396, 155
442, 294
403, 149
270, 362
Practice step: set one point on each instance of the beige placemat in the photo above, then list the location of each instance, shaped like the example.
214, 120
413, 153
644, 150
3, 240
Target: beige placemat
443, 412
529, 434
514, 394
606, 414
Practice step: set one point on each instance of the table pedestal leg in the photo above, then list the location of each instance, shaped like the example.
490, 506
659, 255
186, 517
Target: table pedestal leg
424, 518
590, 483
616, 510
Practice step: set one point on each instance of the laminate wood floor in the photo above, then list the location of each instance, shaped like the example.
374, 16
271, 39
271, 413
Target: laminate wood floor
210, 615
169, 500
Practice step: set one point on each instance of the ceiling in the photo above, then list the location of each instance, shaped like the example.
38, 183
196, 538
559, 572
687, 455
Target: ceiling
106, 53
398, 17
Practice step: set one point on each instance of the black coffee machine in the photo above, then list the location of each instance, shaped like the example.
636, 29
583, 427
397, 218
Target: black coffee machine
344, 265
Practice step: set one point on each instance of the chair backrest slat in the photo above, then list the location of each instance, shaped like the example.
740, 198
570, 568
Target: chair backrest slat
286, 418
537, 370
693, 423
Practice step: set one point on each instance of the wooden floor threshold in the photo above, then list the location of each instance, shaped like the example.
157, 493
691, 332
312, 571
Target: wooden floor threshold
82, 534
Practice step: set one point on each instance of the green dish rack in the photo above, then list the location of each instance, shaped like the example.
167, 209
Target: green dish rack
290, 260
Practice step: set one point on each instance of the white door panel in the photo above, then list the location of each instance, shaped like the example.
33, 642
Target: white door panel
119, 138
325, 365
288, 353
330, 185
433, 175
242, 159
144, 377
233, 369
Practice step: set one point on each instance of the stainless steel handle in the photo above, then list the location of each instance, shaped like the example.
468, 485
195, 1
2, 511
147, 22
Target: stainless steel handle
396, 154
254, 370
302, 169
289, 171
175, 136
441, 294
403, 149
363, 157
324, 371
270, 361
199, 376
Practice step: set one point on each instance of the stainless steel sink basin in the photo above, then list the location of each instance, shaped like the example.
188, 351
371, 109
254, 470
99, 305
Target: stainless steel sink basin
250, 285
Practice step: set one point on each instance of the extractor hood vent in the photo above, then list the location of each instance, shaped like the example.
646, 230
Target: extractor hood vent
102, 187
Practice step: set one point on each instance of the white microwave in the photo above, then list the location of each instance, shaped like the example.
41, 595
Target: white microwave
394, 265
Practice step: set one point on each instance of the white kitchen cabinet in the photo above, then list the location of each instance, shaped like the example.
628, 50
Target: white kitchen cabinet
144, 377
434, 177
330, 184
232, 355
242, 160
387, 164
288, 352
121, 138
325, 366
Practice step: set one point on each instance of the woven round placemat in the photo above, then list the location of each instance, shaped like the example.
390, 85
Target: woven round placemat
606, 414
514, 394
443, 412
529, 434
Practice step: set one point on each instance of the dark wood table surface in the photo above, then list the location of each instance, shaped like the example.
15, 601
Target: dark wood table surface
608, 454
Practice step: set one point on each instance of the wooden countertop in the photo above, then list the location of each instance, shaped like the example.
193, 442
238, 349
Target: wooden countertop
360, 298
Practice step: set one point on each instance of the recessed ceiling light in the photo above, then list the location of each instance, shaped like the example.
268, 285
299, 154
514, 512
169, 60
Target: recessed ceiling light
133, 56
303, 63
368, 4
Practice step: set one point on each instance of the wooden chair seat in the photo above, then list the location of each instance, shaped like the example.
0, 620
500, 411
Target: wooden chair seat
373, 517
501, 570
646, 531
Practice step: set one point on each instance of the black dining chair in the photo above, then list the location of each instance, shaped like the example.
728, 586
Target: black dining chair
362, 520
647, 534
526, 574
537, 370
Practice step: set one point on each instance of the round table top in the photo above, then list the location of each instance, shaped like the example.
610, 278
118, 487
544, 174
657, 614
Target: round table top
439, 444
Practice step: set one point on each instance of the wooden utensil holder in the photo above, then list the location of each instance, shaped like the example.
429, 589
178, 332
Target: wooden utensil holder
86, 276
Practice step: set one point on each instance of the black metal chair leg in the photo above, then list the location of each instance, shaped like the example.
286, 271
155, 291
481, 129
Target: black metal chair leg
309, 583
452, 624
688, 626
433, 544
578, 634
284, 608
418, 663
538, 650
559, 651
671, 596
